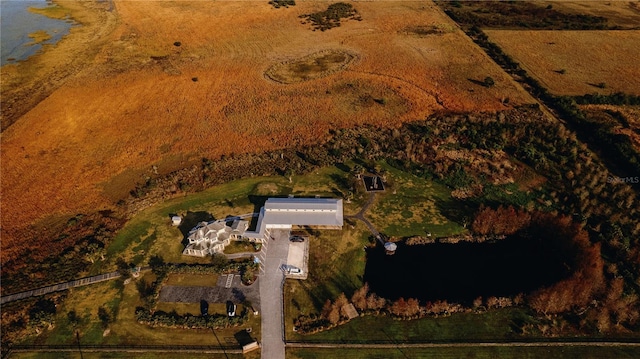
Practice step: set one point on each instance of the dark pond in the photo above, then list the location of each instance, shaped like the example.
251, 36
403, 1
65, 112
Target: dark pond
463, 271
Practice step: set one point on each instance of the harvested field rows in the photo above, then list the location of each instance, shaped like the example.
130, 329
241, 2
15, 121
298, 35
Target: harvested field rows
576, 62
178, 81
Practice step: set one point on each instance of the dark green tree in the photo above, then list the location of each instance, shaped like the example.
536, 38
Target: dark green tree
104, 316
156, 262
73, 318
123, 268
488, 81
219, 261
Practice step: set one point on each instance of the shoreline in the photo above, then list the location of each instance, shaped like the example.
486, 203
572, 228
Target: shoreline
27, 82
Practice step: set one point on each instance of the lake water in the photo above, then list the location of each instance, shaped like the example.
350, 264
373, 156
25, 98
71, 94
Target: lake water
463, 271
17, 22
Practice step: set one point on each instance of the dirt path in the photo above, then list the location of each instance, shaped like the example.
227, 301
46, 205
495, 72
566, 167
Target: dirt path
360, 216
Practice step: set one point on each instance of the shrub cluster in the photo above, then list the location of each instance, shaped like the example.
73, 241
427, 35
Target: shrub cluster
333, 313
188, 321
282, 3
330, 18
618, 98
70, 248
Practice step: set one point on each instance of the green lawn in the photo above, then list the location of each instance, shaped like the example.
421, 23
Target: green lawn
241, 246
491, 325
150, 232
471, 352
411, 205
121, 302
417, 206
336, 265
191, 280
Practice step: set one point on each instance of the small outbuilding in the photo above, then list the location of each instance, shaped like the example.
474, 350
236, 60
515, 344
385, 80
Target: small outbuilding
176, 220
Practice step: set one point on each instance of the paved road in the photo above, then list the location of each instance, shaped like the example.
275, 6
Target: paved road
271, 295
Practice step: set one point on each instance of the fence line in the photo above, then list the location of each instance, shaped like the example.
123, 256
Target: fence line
127, 348
64, 286
58, 287
631, 342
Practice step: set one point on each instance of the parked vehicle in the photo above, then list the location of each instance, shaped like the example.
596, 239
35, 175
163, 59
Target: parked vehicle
231, 309
204, 308
296, 239
289, 269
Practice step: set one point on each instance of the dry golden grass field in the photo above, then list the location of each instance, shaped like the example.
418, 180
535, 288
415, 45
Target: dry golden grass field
576, 62
173, 81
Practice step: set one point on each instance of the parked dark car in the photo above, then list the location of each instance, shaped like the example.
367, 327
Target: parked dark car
296, 239
204, 308
231, 309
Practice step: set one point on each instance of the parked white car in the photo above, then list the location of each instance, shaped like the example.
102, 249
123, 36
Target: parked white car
291, 269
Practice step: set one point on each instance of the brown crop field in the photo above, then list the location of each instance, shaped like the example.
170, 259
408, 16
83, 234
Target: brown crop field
174, 81
576, 62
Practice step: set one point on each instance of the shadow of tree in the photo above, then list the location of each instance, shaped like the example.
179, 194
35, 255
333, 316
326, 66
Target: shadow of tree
190, 220
343, 167
341, 181
478, 82
460, 212
238, 295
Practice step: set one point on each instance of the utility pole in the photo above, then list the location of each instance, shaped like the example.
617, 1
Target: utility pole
78, 340
219, 343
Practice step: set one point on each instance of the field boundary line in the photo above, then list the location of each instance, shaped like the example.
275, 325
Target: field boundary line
125, 348
467, 344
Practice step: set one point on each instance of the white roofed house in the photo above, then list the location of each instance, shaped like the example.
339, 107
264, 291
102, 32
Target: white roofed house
286, 213
277, 213
213, 237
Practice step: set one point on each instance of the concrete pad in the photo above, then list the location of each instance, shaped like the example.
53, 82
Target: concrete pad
298, 257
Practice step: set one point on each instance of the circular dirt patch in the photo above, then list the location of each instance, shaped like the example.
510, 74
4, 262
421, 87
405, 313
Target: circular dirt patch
310, 67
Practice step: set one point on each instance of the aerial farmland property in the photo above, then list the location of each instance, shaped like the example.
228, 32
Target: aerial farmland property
320, 179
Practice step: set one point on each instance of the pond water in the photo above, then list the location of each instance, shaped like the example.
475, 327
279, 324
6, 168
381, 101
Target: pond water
17, 22
463, 271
